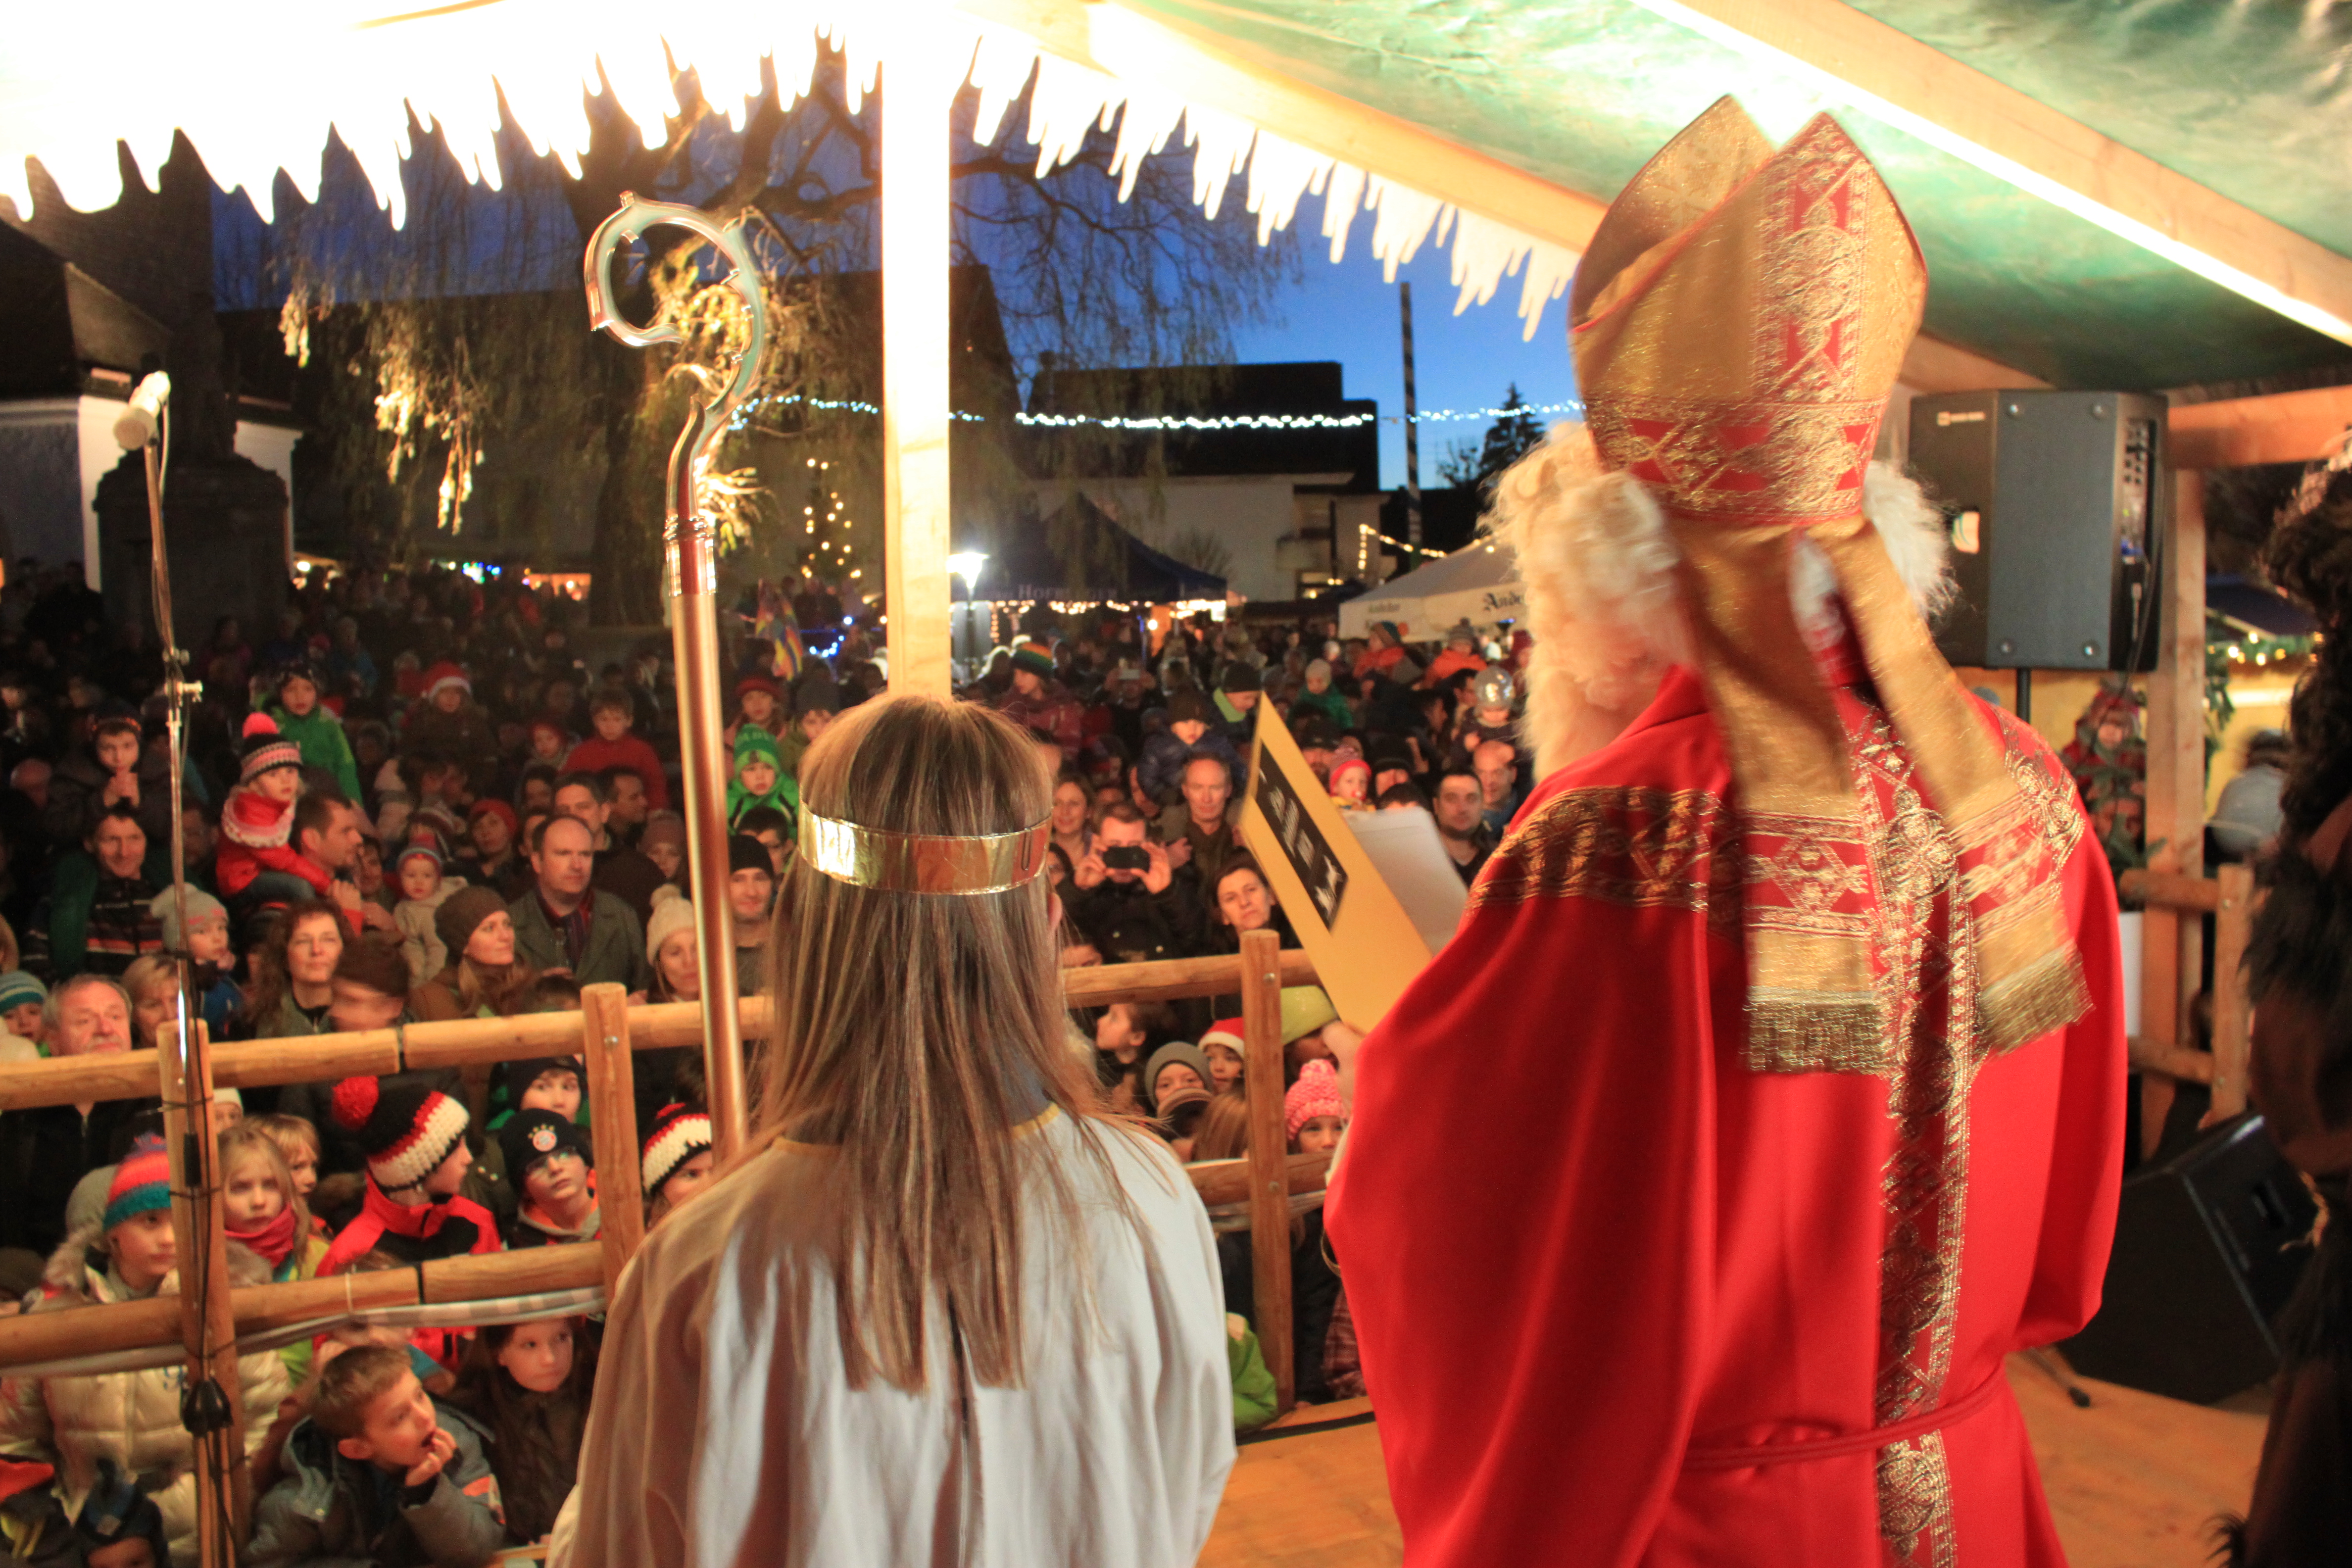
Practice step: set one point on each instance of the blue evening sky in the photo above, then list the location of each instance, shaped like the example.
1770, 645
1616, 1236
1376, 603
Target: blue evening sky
1345, 313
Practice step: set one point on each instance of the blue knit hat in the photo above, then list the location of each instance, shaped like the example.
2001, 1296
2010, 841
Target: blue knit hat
18, 988
141, 1183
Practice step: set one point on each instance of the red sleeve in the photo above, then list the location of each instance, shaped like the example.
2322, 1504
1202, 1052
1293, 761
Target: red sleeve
648, 767
2078, 1220
283, 857
1535, 1354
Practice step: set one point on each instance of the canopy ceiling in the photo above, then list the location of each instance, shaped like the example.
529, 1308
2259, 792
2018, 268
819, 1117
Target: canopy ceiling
2223, 125
2245, 98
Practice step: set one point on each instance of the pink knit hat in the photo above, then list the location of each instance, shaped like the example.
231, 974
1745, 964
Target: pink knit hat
1317, 1093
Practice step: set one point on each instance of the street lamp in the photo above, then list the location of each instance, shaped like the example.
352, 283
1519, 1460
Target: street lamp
966, 564
967, 643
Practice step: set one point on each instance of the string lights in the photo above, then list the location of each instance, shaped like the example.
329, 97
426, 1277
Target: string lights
1184, 422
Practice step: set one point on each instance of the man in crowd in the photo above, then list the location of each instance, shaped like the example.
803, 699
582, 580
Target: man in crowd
1460, 808
566, 923
1126, 898
46, 1151
621, 871
1496, 764
327, 833
1209, 830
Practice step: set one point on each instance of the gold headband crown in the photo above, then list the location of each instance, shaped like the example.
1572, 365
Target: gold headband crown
965, 864
1739, 320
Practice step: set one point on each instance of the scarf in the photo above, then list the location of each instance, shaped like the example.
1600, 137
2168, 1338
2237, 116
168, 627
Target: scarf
273, 1240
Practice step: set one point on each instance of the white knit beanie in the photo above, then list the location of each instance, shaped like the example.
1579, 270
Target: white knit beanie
673, 913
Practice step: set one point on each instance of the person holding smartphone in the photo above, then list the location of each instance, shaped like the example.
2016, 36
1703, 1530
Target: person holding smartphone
1126, 898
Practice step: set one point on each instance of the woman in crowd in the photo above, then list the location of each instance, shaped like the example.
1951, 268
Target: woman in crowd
1074, 833
294, 974
924, 1138
483, 978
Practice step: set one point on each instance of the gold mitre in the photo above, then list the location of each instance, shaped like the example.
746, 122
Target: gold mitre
1738, 321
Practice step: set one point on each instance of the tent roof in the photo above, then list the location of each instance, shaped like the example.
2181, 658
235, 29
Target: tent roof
2248, 100
1478, 585
1078, 554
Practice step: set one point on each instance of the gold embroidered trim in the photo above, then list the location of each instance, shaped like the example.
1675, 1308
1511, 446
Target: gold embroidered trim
1638, 848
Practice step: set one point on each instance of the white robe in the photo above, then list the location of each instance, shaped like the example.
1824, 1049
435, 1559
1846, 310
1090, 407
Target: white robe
725, 1431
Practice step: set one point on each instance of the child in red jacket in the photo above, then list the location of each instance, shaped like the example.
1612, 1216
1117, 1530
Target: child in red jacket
258, 823
614, 745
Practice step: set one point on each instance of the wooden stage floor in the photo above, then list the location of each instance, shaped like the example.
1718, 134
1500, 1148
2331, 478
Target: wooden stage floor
2134, 1482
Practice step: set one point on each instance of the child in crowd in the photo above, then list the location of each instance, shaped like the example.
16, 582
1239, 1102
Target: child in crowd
379, 1473
757, 699
553, 1167
759, 778
1178, 1065
1224, 1045
131, 1418
614, 745
118, 1525
551, 744
1312, 1114
318, 732
814, 707
527, 1385
414, 1139
663, 842
679, 1155
212, 961
1351, 784
264, 1214
256, 854
1121, 1035
298, 1144
423, 890
22, 998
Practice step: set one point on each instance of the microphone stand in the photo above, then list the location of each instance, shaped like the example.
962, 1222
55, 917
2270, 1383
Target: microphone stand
212, 1399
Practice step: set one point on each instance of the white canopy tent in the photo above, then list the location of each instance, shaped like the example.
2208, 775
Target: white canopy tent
1479, 585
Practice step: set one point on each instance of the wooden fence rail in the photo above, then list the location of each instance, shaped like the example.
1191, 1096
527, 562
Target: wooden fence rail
2229, 897
606, 1032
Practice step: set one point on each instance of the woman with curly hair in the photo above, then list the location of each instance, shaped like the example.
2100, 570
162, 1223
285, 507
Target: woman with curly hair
2301, 958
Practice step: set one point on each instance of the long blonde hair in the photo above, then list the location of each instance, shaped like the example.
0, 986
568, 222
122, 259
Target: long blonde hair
258, 1136
918, 1032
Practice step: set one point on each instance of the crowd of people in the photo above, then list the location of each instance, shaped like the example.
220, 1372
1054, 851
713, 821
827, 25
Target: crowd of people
414, 802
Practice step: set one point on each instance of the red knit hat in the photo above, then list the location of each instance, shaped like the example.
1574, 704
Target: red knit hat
678, 1135
405, 1129
262, 747
446, 673
1317, 1093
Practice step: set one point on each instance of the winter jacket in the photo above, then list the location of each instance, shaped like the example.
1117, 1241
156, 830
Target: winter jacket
615, 949
324, 746
450, 1228
131, 1418
1328, 702
1161, 772
596, 753
1052, 713
420, 943
330, 1511
1254, 1390
257, 836
34, 1530
1128, 924
44, 1151
77, 796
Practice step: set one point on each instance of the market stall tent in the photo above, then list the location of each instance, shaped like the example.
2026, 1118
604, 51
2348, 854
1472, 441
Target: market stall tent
1478, 585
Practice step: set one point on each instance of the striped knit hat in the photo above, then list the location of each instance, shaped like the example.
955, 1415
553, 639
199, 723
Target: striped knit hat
1033, 655
678, 1135
262, 747
141, 1183
405, 1129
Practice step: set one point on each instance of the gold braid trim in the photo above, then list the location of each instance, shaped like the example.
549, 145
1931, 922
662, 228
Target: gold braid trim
1625, 845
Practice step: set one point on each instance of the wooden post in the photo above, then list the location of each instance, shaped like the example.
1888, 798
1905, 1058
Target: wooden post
1261, 986
915, 358
2173, 943
207, 1314
613, 1123
2232, 1008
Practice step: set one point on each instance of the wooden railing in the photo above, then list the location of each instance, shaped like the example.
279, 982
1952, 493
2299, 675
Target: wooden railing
607, 1031
2229, 897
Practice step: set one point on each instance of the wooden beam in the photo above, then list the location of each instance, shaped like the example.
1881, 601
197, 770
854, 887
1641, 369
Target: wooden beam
2170, 890
1931, 365
2237, 432
1959, 109
613, 1120
2172, 945
916, 353
1269, 1193
2233, 1008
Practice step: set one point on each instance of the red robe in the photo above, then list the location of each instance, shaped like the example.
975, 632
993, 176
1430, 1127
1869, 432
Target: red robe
1593, 1253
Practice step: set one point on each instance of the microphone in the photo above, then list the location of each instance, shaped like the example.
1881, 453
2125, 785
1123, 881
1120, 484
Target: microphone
136, 426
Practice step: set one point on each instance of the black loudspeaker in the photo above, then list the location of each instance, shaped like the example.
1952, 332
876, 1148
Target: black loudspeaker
2054, 501
2209, 1246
